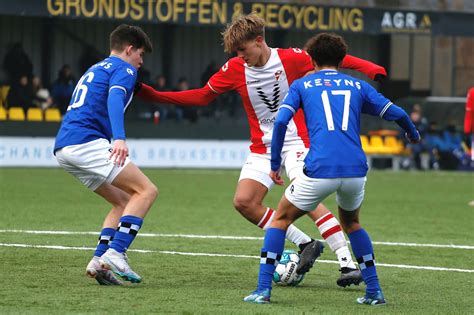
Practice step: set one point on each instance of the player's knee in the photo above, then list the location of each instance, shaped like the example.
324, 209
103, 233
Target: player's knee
242, 204
152, 191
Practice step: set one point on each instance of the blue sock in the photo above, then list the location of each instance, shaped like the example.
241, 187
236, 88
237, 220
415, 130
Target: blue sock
106, 236
364, 253
273, 245
127, 230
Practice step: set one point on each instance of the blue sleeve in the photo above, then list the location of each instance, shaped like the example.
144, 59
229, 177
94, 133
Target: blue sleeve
292, 99
395, 113
123, 77
376, 104
115, 107
278, 137
289, 106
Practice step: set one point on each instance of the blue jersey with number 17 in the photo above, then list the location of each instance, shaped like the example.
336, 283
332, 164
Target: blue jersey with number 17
87, 117
332, 103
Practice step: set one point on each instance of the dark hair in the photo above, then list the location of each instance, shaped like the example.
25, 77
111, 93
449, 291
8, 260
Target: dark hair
326, 49
125, 35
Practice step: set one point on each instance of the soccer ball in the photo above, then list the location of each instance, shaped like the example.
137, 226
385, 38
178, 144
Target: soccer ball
285, 272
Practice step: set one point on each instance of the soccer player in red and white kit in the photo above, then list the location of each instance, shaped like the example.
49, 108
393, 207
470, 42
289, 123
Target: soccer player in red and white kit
469, 119
262, 76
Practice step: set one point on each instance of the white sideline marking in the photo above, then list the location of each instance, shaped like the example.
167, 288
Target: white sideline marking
147, 251
239, 238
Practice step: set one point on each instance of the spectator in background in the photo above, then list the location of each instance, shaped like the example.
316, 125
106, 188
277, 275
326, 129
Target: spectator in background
433, 141
41, 95
17, 64
421, 123
21, 94
469, 122
446, 148
163, 109
63, 88
181, 111
452, 151
469, 126
215, 109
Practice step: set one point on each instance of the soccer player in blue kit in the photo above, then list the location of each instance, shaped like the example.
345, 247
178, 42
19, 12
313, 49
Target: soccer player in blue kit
83, 148
332, 103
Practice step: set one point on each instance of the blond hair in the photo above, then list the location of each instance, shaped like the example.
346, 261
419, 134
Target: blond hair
242, 29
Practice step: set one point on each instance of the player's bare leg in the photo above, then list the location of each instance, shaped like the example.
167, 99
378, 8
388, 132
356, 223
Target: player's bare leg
331, 231
141, 190
142, 195
248, 200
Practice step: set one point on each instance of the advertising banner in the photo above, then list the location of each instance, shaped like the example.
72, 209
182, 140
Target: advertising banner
295, 16
33, 152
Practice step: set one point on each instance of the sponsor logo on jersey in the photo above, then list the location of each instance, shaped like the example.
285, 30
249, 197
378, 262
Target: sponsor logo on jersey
272, 101
252, 82
130, 71
265, 121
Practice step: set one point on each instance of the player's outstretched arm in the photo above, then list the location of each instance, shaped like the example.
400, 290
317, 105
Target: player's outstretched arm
278, 137
368, 68
115, 106
195, 97
397, 114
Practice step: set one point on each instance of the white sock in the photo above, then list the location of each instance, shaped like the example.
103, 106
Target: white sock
331, 231
345, 258
293, 234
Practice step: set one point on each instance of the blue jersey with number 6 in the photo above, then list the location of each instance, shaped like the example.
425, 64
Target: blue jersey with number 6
87, 116
332, 106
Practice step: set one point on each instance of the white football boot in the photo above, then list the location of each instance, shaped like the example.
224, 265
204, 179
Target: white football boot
118, 264
103, 276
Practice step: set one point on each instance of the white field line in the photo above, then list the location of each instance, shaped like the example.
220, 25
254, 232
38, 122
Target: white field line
165, 252
239, 238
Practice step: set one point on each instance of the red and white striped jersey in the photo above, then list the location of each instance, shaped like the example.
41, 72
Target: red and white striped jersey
262, 89
469, 116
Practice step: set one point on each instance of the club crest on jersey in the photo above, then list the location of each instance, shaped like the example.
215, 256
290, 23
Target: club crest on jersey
299, 154
130, 71
278, 74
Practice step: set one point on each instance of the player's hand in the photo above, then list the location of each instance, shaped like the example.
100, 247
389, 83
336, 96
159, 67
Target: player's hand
119, 152
276, 178
413, 140
379, 77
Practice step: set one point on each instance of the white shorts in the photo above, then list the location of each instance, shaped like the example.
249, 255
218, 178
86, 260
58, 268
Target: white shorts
306, 193
258, 166
89, 162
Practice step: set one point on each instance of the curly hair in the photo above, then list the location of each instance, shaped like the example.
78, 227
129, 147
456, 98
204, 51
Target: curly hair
242, 29
326, 49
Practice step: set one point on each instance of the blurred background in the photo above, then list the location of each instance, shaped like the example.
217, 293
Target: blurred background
46, 45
